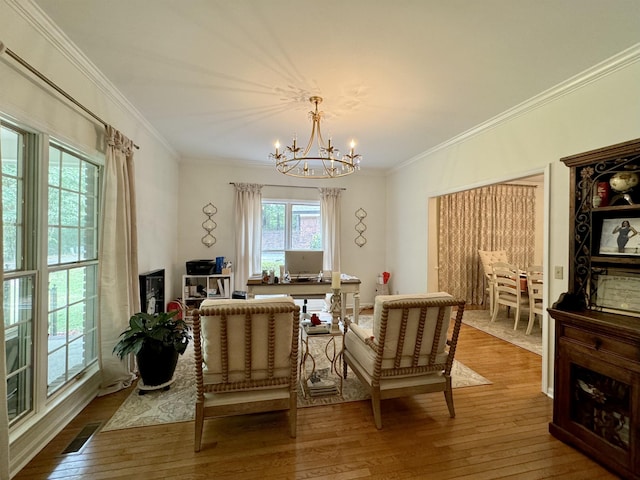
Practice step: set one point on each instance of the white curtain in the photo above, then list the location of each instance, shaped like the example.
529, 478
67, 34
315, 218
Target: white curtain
248, 207
330, 215
4, 414
118, 284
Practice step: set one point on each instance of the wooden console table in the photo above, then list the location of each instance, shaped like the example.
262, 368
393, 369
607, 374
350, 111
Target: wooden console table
310, 289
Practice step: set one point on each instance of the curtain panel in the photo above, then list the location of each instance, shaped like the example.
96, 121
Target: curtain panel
118, 277
330, 216
248, 208
497, 217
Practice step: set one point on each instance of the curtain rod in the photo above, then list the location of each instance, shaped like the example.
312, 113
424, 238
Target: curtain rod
290, 186
49, 82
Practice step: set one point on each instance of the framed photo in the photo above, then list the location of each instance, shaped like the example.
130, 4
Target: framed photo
617, 291
620, 236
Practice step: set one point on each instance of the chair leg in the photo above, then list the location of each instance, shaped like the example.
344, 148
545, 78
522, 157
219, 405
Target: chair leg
448, 396
293, 414
198, 426
375, 404
495, 312
532, 322
515, 322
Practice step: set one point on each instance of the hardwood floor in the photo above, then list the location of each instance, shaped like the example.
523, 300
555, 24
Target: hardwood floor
500, 431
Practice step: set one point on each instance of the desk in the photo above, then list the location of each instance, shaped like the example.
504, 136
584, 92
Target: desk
309, 290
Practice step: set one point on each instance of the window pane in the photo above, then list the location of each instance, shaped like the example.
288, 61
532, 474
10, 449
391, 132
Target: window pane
88, 211
55, 156
18, 294
69, 245
305, 227
54, 206
72, 323
53, 246
273, 226
70, 208
56, 375
12, 197
89, 244
75, 213
89, 179
70, 172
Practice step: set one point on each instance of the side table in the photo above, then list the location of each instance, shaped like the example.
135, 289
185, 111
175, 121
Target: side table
311, 382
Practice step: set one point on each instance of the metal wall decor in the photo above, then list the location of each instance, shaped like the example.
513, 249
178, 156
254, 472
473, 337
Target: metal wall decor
360, 227
209, 225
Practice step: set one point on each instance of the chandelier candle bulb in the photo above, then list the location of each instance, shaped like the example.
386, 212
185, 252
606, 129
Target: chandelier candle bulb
335, 279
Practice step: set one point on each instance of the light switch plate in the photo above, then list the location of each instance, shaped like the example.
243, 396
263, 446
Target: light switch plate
558, 272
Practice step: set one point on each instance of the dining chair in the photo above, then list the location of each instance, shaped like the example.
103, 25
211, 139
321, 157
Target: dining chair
487, 259
534, 287
507, 290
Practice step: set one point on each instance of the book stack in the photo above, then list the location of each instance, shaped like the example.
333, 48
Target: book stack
317, 329
319, 386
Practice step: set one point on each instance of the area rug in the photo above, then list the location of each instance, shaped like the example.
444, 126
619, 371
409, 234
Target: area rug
177, 403
502, 328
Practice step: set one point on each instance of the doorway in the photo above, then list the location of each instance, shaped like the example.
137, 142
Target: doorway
539, 179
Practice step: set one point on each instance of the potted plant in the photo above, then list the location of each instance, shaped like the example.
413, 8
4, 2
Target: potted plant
156, 340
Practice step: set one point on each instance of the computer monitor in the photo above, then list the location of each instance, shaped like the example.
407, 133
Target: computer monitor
303, 263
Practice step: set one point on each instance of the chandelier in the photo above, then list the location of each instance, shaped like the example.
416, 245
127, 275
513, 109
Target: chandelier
296, 161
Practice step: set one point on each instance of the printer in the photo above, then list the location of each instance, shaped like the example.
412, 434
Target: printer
201, 267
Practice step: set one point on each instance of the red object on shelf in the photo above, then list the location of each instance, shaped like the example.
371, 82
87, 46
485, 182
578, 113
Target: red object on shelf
315, 320
385, 277
602, 191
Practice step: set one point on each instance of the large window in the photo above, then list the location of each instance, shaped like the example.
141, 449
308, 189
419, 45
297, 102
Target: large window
288, 225
61, 261
72, 258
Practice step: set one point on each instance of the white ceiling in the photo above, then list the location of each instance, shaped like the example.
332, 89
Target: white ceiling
223, 79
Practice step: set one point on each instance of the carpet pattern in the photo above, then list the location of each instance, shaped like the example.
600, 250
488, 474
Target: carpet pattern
178, 403
502, 328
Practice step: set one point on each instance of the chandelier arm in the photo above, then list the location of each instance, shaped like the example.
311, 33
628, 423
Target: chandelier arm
315, 129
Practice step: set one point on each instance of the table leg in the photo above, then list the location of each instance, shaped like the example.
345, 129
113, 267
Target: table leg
356, 308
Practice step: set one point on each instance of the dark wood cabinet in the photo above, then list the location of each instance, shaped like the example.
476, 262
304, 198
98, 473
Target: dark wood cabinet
596, 405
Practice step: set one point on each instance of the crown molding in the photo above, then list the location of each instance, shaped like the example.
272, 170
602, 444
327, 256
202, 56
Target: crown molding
598, 71
39, 20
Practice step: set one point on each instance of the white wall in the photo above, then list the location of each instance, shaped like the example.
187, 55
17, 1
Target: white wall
603, 112
23, 99
201, 183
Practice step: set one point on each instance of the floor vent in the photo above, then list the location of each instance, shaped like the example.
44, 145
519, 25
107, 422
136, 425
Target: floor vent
82, 438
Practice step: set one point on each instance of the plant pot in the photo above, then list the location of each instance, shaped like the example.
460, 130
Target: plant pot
156, 363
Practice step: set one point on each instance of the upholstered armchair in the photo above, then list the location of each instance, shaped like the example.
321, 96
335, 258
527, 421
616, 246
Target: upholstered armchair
408, 350
246, 358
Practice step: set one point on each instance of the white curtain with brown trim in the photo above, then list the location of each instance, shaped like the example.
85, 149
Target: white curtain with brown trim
248, 207
497, 217
118, 284
330, 217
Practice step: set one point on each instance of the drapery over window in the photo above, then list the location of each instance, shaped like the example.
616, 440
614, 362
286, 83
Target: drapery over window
497, 217
330, 215
248, 206
118, 285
